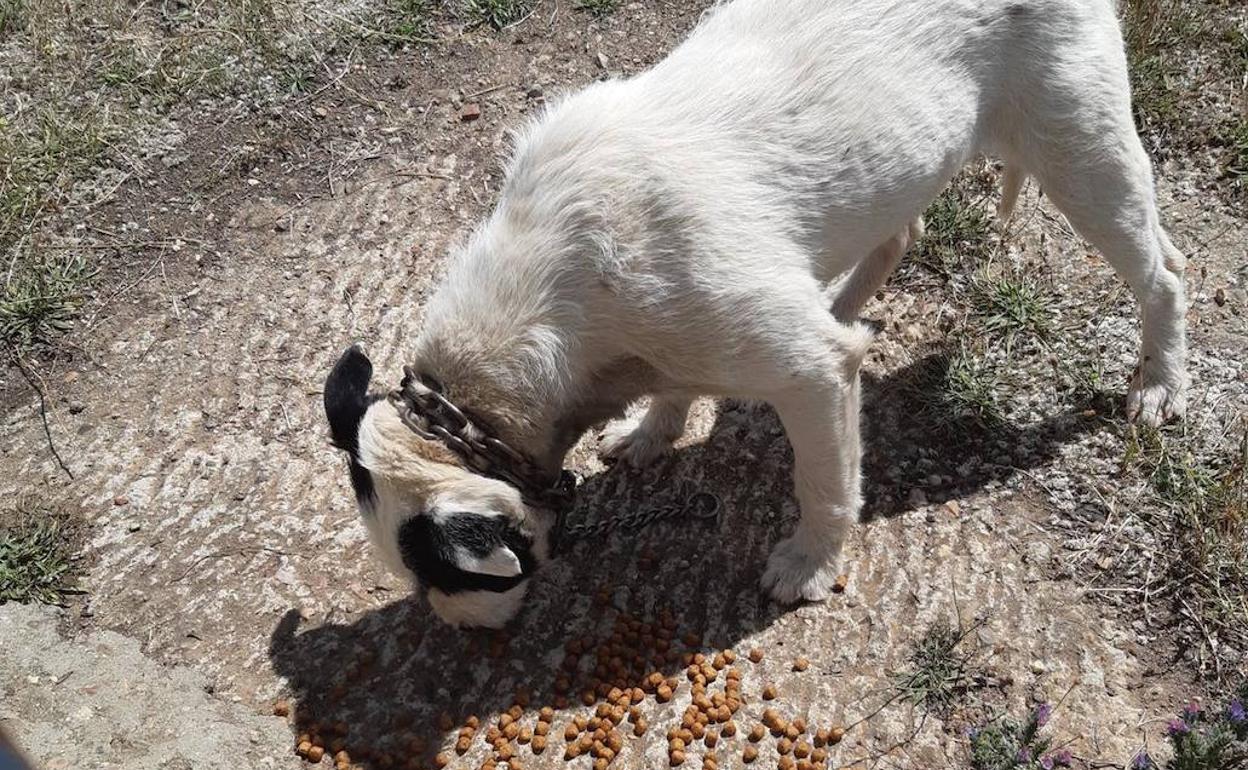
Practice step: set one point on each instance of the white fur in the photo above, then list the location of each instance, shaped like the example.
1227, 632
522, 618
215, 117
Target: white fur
684, 222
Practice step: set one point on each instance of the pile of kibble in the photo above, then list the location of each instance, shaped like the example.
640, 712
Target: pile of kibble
615, 675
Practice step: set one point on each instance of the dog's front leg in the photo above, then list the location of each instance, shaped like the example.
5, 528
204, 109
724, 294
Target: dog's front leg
821, 420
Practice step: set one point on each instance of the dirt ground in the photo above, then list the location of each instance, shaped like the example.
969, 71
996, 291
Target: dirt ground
224, 541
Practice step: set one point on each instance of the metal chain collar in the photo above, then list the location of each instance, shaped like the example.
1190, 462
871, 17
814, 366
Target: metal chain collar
432, 416
422, 408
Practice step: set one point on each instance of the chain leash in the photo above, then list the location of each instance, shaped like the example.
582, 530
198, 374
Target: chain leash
699, 506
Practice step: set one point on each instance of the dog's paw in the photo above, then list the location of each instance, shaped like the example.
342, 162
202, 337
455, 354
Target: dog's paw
1153, 401
631, 442
795, 573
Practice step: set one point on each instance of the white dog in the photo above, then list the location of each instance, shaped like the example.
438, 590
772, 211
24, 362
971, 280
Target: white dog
671, 235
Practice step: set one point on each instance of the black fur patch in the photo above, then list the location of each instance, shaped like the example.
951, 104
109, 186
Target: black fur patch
428, 549
346, 400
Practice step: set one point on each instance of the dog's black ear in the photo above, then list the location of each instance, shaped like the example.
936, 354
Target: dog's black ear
346, 397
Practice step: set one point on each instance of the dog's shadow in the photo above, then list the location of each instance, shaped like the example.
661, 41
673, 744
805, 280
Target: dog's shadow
399, 682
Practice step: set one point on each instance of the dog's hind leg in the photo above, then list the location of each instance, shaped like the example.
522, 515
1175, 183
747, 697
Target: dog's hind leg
1107, 194
871, 273
642, 442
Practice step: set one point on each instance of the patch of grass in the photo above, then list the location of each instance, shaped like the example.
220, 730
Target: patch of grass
42, 298
36, 556
598, 7
12, 16
409, 18
1235, 138
1007, 744
1011, 307
956, 229
1201, 518
939, 672
969, 389
497, 13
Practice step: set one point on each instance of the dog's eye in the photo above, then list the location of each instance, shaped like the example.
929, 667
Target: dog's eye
465, 552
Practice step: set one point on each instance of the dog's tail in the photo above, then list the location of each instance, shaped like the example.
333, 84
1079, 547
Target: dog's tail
1011, 185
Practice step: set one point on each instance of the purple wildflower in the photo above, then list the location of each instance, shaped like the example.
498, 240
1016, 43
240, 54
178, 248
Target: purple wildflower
1043, 712
1063, 758
1047, 762
1177, 727
1236, 712
1142, 761
1024, 755
1190, 712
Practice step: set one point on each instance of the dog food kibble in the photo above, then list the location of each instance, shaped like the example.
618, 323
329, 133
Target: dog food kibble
442, 760
786, 763
769, 692
541, 729
801, 749
639, 727
303, 747
281, 708
791, 732
784, 746
821, 737
676, 758
664, 693
756, 655
836, 734
800, 724
756, 733
818, 756
801, 664
749, 754
729, 729
539, 744
526, 735
315, 754
462, 745
841, 582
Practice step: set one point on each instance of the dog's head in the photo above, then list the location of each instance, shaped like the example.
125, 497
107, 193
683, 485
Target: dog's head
471, 541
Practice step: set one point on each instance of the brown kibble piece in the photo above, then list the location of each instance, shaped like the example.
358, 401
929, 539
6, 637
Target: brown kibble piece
836, 734
784, 746
711, 739
511, 731
756, 655
791, 732
801, 664
664, 693
281, 708
315, 754
676, 758
639, 727
541, 728
526, 735
462, 745
756, 733
303, 747
769, 692
805, 764
750, 754
800, 724
547, 714
801, 749
442, 759
841, 582
729, 729
821, 737
785, 763
539, 744
818, 756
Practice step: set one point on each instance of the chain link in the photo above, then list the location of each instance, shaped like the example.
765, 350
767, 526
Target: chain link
699, 506
422, 408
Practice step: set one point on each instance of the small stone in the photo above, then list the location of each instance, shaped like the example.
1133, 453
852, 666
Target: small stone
839, 585
77, 407
1219, 297
134, 526
470, 113
120, 500
320, 112
535, 92
1038, 667
953, 507
602, 60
